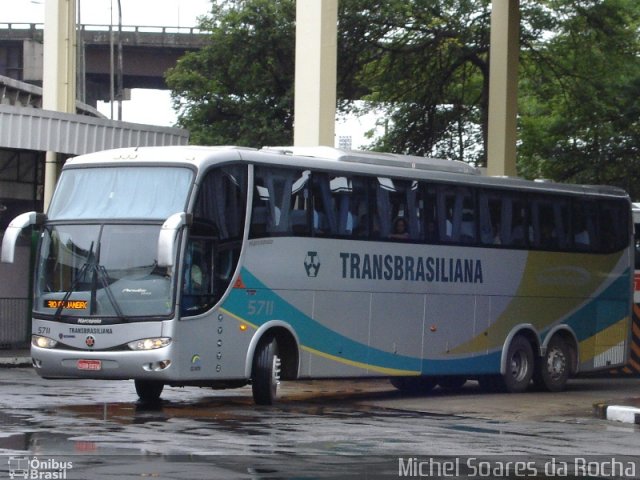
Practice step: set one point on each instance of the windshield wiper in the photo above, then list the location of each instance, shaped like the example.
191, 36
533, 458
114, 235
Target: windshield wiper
98, 273
81, 273
104, 280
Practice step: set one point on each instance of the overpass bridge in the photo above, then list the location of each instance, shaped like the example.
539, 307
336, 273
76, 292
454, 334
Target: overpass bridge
147, 52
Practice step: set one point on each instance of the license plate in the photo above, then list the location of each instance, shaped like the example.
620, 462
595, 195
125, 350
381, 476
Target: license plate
89, 365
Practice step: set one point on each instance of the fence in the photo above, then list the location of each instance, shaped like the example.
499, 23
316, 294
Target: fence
15, 327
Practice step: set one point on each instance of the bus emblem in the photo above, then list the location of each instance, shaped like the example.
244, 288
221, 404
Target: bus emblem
90, 341
312, 264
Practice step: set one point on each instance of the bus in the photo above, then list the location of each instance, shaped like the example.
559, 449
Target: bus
224, 266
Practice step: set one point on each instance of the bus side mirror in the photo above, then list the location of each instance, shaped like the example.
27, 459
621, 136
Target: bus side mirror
13, 232
167, 238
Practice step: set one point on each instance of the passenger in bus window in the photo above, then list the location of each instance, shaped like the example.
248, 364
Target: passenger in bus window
581, 236
400, 231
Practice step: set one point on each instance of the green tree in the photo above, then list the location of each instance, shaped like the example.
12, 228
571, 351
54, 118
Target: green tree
578, 99
425, 62
431, 74
239, 89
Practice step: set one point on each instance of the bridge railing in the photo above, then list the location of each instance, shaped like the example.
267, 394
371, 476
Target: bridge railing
108, 28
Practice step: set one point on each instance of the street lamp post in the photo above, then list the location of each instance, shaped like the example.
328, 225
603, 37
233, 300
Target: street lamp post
120, 73
116, 79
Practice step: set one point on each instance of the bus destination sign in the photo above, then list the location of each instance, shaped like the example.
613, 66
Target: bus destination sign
67, 304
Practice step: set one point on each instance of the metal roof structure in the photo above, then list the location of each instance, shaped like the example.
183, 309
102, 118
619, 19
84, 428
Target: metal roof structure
25, 126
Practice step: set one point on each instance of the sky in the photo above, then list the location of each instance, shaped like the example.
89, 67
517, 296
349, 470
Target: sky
152, 107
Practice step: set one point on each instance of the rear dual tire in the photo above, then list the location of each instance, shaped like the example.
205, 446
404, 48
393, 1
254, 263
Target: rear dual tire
554, 368
549, 372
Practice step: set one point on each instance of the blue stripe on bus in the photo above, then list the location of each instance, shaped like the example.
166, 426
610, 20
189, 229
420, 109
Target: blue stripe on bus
314, 335
608, 308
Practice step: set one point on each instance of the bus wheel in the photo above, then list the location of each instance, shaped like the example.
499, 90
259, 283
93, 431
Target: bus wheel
149, 391
266, 372
414, 384
520, 365
552, 372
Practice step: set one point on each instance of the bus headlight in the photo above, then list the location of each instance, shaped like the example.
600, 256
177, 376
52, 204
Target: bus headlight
149, 343
43, 342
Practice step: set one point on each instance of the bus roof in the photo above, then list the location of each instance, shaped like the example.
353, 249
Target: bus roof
359, 162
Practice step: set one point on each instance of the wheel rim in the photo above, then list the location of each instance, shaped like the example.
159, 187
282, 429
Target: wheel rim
556, 364
519, 365
275, 374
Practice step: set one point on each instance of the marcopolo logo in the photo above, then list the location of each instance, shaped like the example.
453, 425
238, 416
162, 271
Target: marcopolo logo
312, 264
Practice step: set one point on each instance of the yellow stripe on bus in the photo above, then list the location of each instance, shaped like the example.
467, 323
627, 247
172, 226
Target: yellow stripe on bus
366, 366
240, 319
604, 340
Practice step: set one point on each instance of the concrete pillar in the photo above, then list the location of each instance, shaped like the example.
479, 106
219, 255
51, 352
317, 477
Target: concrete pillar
315, 74
503, 87
59, 73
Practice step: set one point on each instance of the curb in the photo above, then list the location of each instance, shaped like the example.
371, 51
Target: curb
624, 414
617, 413
20, 360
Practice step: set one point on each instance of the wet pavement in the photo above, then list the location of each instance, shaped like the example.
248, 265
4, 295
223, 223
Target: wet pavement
330, 429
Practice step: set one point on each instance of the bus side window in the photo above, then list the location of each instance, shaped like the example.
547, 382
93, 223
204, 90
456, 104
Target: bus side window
515, 221
359, 207
221, 202
490, 208
456, 214
197, 289
583, 225
429, 213
543, 231
397, 208
614, 225
280, 202
215, 238
324, 218
340, 206
300, 205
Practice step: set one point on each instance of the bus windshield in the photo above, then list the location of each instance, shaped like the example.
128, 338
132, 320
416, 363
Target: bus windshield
102, 270
123, 192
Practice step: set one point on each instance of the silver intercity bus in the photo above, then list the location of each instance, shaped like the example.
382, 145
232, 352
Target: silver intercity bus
220, 267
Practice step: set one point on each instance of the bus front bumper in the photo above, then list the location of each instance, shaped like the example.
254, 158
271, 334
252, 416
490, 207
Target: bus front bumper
114, 365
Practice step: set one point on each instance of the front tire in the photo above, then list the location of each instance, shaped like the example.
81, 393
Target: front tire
149, 391
552, 372
266, 372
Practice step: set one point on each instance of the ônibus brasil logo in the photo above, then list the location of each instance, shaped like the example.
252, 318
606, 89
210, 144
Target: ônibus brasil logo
37, 468
312, 264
